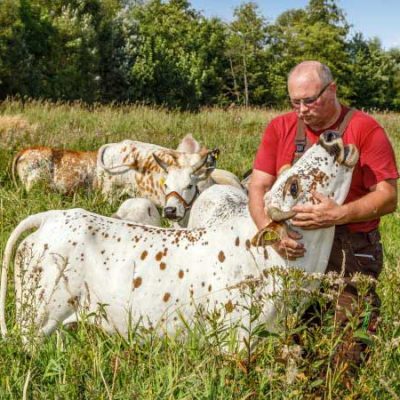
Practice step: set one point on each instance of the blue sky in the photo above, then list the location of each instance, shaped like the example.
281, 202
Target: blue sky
379, 18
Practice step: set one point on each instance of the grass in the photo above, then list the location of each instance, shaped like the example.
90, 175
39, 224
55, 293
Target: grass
87, 363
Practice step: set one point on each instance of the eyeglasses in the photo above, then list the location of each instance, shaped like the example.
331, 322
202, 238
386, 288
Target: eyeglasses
309, 101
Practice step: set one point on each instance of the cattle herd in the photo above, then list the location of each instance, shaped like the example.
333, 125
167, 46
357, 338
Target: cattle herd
77, 263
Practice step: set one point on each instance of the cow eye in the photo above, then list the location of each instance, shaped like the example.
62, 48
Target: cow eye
294, 189
189, 187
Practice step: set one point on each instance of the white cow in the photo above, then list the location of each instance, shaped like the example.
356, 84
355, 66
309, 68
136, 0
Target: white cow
80, 262
182, 185
139, 210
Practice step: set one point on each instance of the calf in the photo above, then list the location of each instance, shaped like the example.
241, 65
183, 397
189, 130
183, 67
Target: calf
139, 210
77, 261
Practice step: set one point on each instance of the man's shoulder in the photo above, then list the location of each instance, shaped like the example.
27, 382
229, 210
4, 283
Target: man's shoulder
283, 122
289, 116
363, 120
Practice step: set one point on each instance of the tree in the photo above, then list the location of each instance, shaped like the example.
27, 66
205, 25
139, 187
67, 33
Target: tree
318, 32
245, 52
372, 74
176, 59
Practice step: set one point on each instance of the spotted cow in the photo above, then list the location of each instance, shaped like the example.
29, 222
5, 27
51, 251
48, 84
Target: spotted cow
60, 169
119, 273
140, 169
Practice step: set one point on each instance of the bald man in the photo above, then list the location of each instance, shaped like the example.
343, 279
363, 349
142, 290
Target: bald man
373, 191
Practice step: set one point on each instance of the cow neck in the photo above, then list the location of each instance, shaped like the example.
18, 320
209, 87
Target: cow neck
303, 143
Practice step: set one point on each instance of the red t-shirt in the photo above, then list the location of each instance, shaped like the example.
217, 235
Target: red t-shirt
377, 160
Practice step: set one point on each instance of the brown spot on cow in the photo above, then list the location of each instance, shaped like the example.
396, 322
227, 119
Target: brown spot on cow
144, 255
137, 282
229, 307
221, 256
159, 256
73, 301
163, 265
166, 297
237, 241
181, 274
248, 244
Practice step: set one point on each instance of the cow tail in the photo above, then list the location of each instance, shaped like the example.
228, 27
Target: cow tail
32, 222
14, 168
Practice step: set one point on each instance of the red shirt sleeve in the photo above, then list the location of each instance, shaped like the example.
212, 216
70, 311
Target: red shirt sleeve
266, 157
377, 158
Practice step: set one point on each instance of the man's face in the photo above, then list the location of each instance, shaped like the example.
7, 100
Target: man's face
313, 100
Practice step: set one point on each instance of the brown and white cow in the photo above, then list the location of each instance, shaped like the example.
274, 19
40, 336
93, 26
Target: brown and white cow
80, 262
140, 169
130, 168
62, 170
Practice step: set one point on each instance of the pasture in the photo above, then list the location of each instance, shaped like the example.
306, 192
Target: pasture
86, 363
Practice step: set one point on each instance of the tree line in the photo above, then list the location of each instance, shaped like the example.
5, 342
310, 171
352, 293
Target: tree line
167, 53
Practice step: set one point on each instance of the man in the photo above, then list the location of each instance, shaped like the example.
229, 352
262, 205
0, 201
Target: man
373, 190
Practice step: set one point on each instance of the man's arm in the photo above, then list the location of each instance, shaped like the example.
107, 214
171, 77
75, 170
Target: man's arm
380, 201
260, 183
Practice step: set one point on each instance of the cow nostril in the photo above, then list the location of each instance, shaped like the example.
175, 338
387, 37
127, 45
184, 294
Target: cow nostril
170, 211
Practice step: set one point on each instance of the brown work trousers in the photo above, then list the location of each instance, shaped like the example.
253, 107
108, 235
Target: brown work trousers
355, 252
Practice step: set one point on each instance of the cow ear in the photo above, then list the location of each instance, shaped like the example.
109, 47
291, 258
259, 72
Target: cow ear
270, 234
189, 145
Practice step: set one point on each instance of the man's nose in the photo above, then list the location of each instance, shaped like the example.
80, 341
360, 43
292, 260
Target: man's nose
303, 107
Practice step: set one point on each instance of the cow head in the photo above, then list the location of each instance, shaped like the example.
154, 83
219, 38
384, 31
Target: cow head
180, 184
325, 168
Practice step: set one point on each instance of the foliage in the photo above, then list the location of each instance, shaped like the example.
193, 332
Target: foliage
167, 53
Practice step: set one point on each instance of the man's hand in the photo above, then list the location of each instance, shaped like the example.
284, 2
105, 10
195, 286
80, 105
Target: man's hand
289, 247
321, 215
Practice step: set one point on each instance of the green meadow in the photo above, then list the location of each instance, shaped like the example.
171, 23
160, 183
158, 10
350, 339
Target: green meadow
84, 362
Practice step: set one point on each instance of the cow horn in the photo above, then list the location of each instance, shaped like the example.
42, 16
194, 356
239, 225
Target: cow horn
277, 215
161, 163
200, 163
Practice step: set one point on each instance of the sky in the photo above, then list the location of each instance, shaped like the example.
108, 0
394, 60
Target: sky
373, 18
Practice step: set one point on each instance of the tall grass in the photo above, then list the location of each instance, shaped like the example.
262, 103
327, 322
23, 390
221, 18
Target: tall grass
87, 363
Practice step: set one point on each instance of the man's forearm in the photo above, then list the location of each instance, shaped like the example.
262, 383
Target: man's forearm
381, 201
256, 207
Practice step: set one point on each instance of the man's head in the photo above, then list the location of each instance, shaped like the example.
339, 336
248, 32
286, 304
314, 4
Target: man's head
312, 92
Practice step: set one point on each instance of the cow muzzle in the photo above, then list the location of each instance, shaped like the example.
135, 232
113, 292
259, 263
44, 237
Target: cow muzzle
170, 213
278, 215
